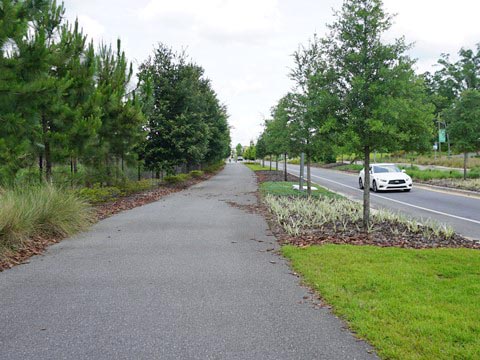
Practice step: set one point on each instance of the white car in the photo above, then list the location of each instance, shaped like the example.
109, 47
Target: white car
386, 177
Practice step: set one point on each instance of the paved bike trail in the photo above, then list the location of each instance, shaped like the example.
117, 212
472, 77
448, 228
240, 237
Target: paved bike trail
187, 277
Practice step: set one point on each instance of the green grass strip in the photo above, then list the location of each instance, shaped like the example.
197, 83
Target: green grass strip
257, 167
284, 188
409, 304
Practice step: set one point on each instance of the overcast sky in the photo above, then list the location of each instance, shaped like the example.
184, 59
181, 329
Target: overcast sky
245, 46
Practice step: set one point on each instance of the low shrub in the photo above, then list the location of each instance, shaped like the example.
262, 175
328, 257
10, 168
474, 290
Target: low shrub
214, 167
298, 216
176, 179
40, 211
196, 174
474, 173
131, 187
98, 194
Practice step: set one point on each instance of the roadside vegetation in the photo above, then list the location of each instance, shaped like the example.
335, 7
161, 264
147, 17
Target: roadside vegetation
469, 184
40, 211
79, 117
453, 161
330, 219
256, 167
285, 188
409, 304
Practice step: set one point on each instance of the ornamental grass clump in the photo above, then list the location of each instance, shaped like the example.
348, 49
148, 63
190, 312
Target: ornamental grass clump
340, 218
40, 211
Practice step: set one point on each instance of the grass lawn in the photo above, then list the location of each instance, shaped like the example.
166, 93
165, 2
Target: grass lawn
257, 167
284, 188
409, 304
353, 167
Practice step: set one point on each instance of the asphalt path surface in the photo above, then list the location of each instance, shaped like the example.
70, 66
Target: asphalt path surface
460, 211
187, 277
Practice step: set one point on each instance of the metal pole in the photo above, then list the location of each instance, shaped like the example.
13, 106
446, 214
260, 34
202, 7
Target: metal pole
302, 164
448, 141
439, 142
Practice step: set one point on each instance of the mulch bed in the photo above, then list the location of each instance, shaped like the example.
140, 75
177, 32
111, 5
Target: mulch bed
383, 235
37, 245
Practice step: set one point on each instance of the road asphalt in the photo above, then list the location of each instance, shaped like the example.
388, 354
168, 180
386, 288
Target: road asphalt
187, 277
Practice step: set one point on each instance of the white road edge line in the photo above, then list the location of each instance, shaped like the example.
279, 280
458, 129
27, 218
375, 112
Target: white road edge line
400, 202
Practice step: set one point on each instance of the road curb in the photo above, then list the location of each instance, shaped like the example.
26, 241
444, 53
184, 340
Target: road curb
469, 193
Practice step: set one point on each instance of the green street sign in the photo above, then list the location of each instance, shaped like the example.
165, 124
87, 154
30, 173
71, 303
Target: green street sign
442, 135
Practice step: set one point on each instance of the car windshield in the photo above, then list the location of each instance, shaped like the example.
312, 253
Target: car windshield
386, 169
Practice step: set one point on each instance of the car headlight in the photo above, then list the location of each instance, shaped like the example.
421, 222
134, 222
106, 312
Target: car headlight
382, 180
409, 178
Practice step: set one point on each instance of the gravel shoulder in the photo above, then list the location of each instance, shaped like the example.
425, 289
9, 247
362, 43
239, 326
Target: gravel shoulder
191, 276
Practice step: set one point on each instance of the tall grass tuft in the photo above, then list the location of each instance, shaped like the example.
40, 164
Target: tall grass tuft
41, 210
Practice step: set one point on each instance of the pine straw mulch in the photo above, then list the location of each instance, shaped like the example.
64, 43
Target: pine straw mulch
37, 245
384, 234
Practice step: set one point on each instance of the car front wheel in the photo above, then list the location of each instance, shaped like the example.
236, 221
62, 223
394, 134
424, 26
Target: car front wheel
375, 189
360, 183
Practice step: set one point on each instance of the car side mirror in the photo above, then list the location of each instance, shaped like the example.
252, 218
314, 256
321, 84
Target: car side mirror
404, 171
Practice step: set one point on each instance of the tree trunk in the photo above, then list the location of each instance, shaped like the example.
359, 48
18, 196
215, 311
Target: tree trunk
48, 162
263, 162
366, 190
116, 170
309, 177
285, 173
47, 153
40, 167
270, 162
276, 162
139, 173
465, 159
108, 170
71, 166
75, 165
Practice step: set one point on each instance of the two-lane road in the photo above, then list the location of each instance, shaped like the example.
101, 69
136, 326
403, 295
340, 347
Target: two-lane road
460, 211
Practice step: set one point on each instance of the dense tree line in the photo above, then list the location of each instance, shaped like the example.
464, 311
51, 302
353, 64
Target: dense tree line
455, 92
64, 103
186, 122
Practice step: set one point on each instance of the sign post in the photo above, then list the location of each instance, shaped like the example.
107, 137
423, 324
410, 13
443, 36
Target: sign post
442, 136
